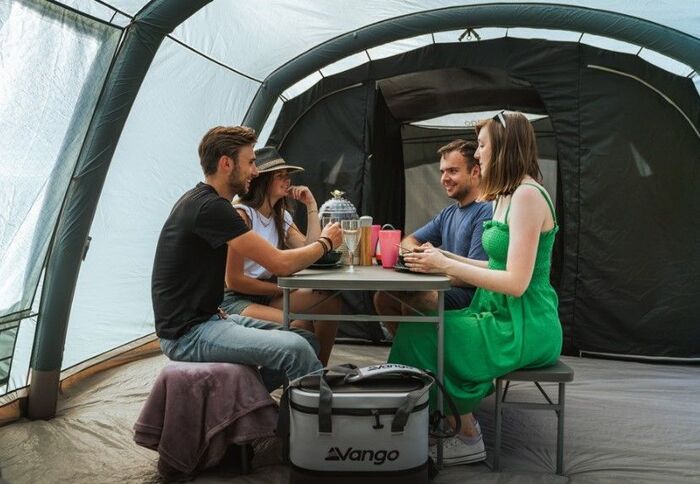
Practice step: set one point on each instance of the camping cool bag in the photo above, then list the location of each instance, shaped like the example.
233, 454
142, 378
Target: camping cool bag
359, 425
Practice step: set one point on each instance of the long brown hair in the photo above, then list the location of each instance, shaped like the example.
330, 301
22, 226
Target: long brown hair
513, 155
256, 197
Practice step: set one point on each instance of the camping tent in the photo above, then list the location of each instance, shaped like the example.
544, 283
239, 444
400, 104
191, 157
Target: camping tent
102, 104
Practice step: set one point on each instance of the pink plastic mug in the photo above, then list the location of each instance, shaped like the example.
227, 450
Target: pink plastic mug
388, 244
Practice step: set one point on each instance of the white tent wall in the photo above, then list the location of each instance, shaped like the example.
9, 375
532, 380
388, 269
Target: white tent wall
44, 115
156, 161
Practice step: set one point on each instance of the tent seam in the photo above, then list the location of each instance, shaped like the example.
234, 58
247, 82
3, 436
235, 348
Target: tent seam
217, 62
648, 85
86, 15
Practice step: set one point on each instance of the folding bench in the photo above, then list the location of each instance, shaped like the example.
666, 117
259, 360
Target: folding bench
559, 373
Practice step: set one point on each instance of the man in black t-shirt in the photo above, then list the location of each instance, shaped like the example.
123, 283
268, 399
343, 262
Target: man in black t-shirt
190, 261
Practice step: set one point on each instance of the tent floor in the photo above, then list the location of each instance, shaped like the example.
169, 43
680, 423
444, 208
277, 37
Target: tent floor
624, 422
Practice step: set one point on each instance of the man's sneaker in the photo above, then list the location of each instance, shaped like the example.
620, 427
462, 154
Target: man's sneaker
455, 451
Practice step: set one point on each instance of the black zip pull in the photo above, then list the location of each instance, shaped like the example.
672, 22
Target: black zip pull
377, 424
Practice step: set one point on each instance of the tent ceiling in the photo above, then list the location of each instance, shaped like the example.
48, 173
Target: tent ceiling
256, 40
604, 23
424, 94
240, 24
239, 35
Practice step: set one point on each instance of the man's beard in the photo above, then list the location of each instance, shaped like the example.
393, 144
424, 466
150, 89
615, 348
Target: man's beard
460, 193
238, 186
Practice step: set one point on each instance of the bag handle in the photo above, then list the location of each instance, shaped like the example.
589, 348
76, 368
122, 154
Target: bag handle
353, 374
383, 369
437, 415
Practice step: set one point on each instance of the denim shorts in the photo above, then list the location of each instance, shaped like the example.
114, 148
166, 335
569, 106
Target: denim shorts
236, 302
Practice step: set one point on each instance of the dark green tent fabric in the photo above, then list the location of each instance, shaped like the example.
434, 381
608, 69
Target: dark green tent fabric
619, 199
639, 265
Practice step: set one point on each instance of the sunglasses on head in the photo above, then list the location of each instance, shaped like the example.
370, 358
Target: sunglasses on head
500, 118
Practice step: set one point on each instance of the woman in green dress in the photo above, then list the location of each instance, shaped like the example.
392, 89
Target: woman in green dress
513, 320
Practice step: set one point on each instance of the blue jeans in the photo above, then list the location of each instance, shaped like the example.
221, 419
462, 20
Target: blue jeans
248, 341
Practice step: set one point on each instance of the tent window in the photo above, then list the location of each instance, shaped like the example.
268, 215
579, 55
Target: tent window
8, 336
400, 46
43, 129
267, 128
545, 34
344, 64
696, 80
302, 85
609, 44
665, 62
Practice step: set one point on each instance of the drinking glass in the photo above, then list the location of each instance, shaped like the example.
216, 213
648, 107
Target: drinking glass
351, 237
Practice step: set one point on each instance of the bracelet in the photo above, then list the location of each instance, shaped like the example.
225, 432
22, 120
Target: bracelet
327, 239
327, 243
323, 247
315, 210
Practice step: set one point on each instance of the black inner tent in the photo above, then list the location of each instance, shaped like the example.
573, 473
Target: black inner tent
620, 131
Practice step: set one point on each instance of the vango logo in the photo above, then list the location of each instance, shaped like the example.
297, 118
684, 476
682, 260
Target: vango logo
378, 457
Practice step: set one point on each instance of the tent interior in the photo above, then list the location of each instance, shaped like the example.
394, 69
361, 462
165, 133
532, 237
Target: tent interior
103, 103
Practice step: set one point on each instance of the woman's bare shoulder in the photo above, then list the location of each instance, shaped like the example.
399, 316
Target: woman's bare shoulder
244, 216
528, 198
528, 191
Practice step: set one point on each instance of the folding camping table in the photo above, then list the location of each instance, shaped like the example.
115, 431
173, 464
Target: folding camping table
371, 278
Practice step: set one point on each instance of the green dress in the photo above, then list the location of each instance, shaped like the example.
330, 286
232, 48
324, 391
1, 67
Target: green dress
496, 333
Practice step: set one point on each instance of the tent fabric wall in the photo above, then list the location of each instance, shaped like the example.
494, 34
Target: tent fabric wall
124, 79
155, 162
385, 193
558, 71
43, 127
638, 274
331, 141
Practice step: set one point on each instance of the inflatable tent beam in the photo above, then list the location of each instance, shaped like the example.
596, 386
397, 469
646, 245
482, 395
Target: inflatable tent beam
673, 43
140, 44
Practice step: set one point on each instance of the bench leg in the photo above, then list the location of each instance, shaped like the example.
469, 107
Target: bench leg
498, 423
560, 429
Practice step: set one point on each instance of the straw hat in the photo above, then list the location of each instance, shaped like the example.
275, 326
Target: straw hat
268, 159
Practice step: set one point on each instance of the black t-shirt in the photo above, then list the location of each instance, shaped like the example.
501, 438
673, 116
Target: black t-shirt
187, 284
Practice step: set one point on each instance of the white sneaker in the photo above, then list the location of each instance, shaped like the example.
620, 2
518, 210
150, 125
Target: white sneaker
432, 441
456, 452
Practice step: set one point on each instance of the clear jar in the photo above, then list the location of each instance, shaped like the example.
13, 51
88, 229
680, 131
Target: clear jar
340, 209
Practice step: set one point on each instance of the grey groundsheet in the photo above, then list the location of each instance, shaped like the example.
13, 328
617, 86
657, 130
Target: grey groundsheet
625, 422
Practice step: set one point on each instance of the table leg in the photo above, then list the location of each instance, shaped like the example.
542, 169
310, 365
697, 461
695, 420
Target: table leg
440, 360
285, 308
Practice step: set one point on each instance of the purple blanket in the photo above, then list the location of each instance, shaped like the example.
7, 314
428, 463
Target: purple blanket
196, 410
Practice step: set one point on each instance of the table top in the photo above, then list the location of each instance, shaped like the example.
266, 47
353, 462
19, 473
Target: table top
370, 278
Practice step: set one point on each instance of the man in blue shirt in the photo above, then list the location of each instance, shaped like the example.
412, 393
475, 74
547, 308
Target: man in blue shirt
457, 229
